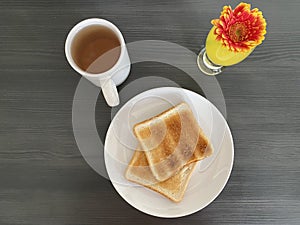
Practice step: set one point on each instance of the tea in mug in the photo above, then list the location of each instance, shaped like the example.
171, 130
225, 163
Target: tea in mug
95, 49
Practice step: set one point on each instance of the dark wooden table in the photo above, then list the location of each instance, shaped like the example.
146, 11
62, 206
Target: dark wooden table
43, 177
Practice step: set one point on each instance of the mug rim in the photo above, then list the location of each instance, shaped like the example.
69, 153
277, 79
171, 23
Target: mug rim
76, 29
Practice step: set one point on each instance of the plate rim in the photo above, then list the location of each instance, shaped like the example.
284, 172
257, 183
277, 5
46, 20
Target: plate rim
215, 195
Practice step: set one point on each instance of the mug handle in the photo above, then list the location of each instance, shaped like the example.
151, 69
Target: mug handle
110, 92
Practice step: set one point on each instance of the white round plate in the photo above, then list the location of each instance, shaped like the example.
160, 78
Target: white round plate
208, 178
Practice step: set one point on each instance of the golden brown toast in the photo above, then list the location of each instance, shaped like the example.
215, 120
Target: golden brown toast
171, 140
138, 171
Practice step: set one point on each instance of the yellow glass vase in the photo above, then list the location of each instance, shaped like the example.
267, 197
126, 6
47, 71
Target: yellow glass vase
214, 57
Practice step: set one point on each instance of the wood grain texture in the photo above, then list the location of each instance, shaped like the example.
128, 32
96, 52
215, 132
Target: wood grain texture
43, 177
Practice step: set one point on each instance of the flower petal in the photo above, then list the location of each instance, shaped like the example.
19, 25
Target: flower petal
240, 29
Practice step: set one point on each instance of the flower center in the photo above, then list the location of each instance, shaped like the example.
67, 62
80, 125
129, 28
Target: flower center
238, 32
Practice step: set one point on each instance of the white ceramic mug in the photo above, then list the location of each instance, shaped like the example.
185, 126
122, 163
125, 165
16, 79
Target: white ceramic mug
111, 78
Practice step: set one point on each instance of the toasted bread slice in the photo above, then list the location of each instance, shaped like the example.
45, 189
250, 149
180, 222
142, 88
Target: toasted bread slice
171, 140
138, 171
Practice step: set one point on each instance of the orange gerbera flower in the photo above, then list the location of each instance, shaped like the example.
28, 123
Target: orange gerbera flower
240, 29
